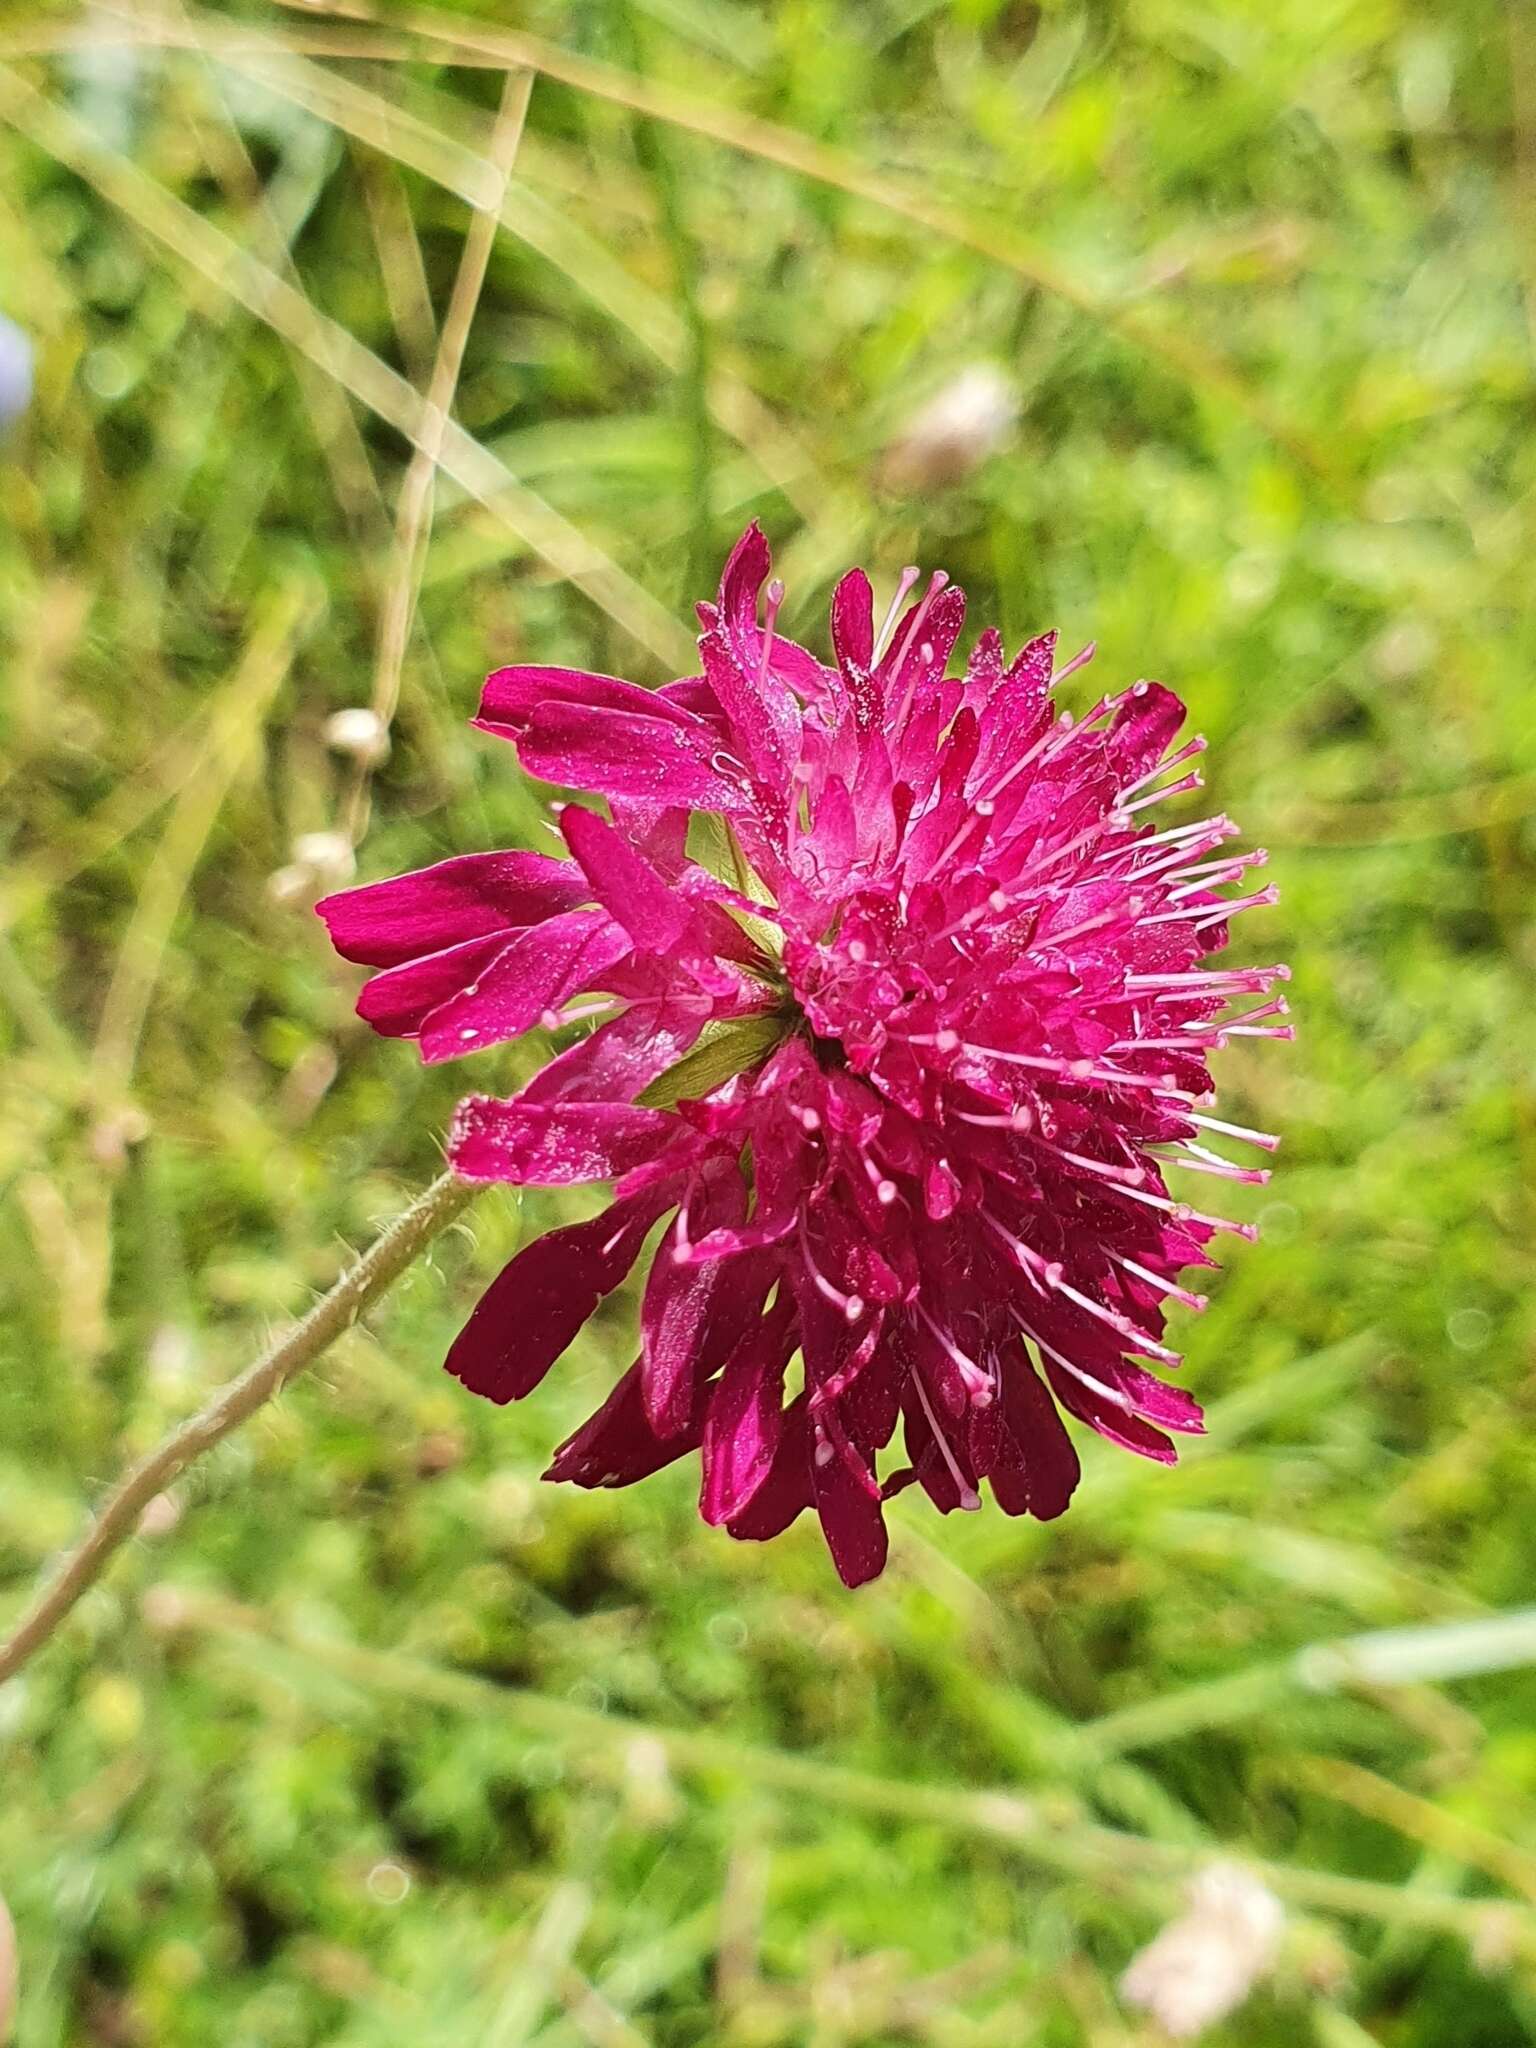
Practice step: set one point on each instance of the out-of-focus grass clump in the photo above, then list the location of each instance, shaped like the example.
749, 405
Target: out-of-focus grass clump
372, 1739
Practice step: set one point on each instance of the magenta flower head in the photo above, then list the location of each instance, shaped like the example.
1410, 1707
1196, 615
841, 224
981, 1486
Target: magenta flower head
894, 1005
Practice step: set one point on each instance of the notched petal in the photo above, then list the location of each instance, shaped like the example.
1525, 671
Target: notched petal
538, 1303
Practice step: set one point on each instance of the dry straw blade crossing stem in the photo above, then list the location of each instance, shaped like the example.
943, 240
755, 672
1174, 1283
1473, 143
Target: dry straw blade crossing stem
235, 273
459, 162
336, 431
997, 241
117, 1517
397, 251
413, 517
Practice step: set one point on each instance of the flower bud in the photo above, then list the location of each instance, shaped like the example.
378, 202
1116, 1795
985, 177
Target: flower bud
320, 861
358, 731
970, 418
160, 1516
327, 855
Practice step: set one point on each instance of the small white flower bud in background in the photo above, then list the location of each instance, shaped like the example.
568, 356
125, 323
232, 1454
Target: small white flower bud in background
290, 884
321, 861
968, 419
1496, 1940
389, 1882
1204, 1964
160, 1516
112, 1138
327, 855
10, 1971
171, 1357
1403, 651
163, 1610
304, 1087
359, 732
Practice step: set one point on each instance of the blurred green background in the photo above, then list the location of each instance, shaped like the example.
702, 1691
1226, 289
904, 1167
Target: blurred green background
369, 1737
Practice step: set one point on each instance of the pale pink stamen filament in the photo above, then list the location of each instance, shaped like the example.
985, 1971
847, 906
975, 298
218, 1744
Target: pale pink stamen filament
1157, 796
1269, 1142
970, 1499
904, 583
935, 584
1187, 752
770, 622
1163, 1285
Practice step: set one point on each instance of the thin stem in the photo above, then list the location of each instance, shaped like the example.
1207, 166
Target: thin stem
1425, 1654
117, 1517
653, 148
413, 514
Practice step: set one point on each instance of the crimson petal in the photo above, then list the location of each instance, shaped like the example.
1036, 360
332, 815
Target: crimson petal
471, 896
744, 1422
618, 1445
553, 1144
786, 1490
539, 969
626, 754
538, 1303
399, 1001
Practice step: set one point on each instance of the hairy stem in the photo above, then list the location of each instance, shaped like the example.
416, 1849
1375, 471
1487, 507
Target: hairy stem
116, 1519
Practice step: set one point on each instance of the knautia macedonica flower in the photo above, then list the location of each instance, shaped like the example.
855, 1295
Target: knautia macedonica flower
893, 1003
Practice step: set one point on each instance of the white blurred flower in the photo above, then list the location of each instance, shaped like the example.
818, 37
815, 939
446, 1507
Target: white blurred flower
359, 732
968, 419
389, 1883
160, 1515
321, 860
290, 884
15, 371
111, 1138
328, 855
163, 1609
1204, 1964
172, 1357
